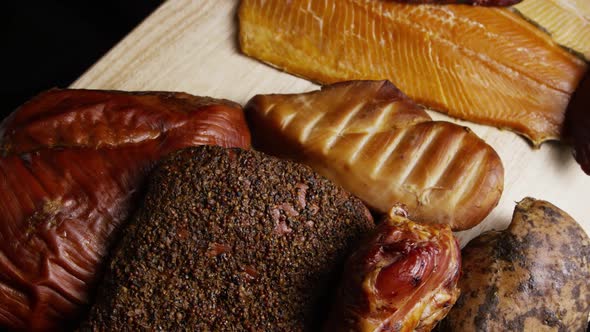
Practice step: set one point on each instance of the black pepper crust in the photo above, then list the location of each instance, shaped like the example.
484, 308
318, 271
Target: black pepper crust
228, 240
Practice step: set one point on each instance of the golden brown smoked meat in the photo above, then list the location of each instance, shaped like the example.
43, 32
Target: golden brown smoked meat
531, 277
74, 163
370, 138
403, 277
487, 65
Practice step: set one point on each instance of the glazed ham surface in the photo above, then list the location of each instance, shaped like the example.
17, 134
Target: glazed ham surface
73, 166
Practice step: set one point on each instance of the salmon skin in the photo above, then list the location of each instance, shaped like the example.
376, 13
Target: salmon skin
567, 21
487, 65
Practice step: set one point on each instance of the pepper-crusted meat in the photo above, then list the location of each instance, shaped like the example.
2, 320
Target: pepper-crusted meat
229, 239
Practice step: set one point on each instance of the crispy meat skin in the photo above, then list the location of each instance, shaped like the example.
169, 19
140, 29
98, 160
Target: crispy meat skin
113, 119
403, 277
73, 165
532, 276
229, 240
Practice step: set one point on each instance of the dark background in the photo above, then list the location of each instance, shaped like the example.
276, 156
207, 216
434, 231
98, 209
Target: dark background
51, 43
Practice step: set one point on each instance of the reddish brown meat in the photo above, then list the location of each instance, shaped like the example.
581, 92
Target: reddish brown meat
403, 277
577, 123
74, 162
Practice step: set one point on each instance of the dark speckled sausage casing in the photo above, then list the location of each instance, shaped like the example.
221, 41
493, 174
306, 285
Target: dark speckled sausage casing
534, 276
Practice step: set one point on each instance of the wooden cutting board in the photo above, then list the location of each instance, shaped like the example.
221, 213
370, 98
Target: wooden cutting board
192, 46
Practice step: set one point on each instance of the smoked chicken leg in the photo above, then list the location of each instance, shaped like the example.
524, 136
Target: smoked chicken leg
403, 277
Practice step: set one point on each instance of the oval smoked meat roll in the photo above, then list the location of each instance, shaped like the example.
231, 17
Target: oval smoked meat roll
378, 144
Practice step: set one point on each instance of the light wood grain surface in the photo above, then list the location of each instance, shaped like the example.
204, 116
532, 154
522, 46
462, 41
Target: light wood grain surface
192, 46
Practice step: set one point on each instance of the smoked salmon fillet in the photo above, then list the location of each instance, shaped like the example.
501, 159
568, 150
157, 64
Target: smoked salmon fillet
487, 65
567, 21
378, 144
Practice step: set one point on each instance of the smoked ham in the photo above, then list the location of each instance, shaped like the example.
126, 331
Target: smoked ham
74, 163
487, 65
378, 144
